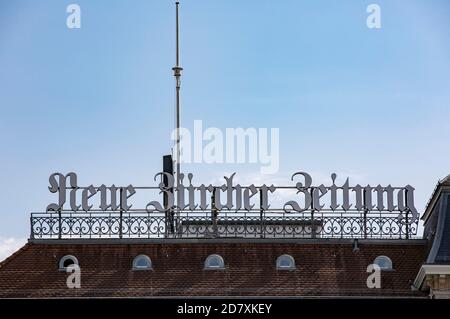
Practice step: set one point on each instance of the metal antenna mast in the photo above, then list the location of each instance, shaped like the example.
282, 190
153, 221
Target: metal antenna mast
177, 73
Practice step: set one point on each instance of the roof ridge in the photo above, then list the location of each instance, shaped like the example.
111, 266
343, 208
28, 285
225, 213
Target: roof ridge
8, 259
445, 179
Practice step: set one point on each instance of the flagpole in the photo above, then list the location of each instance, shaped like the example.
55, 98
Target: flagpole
177, 73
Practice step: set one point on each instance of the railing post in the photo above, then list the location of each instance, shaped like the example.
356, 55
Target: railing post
365, 222
31, 227
313, 228
407, 224
121, 214
406, 216
59, 223
214, 212
261, 215
366, 210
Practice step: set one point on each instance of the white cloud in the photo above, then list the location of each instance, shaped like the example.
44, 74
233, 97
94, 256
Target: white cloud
9, 246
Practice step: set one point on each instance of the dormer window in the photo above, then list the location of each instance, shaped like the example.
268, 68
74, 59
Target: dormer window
385, 263
67, 261
285, 262
214, 262
142, 262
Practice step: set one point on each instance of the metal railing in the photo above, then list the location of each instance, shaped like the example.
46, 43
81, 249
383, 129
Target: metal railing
221, 224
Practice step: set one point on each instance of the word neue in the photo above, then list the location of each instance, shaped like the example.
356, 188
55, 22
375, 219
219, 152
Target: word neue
234, 197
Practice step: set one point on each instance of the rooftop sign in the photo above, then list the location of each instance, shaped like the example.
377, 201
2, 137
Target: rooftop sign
233, 197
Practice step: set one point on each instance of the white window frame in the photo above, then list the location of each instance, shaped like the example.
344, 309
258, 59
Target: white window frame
63, 260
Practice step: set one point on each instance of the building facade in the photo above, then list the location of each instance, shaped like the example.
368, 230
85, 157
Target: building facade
238, 266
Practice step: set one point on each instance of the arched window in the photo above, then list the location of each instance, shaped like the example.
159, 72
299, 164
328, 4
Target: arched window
66, 261
285, 262
214, 262
385, 263
142, 262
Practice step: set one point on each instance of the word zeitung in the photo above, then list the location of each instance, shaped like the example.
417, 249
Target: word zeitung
238, 198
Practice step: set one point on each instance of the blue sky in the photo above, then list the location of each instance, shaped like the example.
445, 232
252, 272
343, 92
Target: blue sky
370, 104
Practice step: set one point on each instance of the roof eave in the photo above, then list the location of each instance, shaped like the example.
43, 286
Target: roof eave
441, 186
428, 269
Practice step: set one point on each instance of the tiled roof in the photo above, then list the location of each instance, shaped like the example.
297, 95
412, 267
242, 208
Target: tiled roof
323, 269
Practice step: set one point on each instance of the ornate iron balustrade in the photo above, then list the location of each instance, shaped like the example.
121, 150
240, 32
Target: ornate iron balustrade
254, 224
